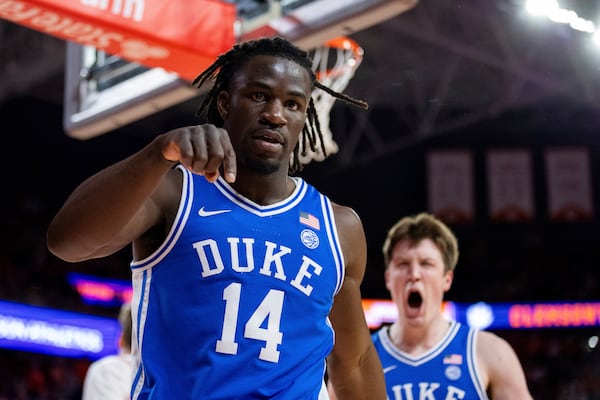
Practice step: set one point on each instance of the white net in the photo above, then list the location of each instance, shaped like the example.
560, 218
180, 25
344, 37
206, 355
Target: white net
334, 63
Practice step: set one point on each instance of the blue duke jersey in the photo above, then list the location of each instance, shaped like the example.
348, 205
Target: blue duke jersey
235, 302
446, 372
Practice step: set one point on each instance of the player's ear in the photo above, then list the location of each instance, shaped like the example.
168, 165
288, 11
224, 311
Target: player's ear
387, 280
448, 278
223, 104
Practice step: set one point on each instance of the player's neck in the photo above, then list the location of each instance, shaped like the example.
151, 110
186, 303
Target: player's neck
265, 190
417, 339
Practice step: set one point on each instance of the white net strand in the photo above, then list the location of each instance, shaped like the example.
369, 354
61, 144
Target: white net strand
334, 64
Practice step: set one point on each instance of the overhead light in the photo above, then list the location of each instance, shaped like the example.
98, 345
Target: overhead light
555, 13
541, 7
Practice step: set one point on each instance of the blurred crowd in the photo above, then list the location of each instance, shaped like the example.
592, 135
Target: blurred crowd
560, 363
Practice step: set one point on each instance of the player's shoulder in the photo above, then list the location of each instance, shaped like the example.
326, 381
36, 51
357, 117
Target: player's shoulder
349, 227
345, 214
487, 338
491, 346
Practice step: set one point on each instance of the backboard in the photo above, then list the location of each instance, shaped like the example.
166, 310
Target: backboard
106, 91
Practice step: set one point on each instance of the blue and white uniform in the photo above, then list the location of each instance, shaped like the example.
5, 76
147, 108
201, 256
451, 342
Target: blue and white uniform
235, 302
448, 371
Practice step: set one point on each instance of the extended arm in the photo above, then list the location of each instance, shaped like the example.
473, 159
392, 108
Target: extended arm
354, 368
118, 204
501, 368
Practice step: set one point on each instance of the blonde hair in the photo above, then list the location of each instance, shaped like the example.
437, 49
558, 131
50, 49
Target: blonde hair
423, 226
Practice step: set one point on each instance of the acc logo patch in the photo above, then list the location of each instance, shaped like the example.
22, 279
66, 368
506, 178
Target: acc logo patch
452, 372
309, 238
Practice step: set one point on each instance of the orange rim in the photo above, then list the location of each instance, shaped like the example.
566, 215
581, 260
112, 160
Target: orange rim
342, 43
345, 43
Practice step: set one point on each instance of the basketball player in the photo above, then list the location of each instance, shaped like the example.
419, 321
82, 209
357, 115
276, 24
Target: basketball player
109, 378
424, 355
246, 279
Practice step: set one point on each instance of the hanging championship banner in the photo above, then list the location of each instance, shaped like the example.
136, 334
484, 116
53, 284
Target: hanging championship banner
450, 185
179, 36
510, 185
569, 184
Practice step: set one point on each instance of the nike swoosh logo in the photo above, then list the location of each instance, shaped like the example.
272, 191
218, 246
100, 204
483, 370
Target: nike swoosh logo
203, 213
388, 369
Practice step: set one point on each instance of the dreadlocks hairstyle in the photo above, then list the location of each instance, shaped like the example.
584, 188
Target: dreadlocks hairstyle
227, 64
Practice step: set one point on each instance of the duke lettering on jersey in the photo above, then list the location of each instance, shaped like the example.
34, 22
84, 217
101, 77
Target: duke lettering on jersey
447, 371
273, 258
427, 391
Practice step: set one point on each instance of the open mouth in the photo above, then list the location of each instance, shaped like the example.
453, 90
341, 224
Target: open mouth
415, 299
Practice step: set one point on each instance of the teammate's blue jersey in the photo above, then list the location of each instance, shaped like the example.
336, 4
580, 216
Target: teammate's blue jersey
448, 371
235, 302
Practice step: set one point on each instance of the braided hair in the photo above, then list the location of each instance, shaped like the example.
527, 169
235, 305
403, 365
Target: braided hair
227, 64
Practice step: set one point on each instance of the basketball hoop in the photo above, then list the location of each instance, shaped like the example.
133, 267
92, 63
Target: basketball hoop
334, 63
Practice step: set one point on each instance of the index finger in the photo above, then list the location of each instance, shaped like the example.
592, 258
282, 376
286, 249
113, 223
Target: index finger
229, 161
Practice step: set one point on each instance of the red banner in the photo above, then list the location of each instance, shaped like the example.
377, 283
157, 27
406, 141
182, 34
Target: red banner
183, 37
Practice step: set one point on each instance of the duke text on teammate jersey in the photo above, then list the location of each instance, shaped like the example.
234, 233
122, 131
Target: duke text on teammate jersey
426, 391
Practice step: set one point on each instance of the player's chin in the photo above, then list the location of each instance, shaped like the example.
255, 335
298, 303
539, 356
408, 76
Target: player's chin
263, 166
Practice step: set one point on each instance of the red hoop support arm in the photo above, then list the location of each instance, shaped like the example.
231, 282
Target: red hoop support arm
183, 37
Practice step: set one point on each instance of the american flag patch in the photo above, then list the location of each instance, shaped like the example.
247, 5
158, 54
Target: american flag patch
455, 359
309, 220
